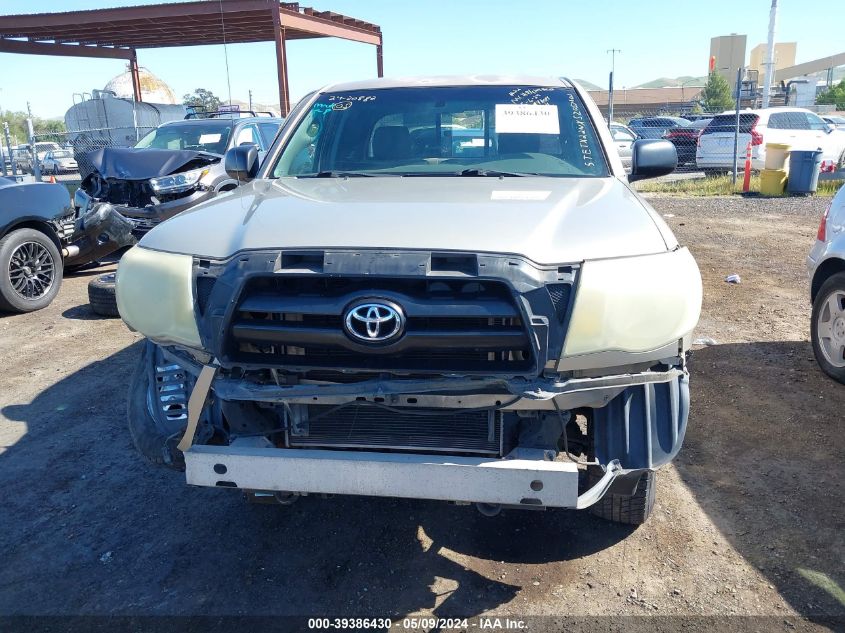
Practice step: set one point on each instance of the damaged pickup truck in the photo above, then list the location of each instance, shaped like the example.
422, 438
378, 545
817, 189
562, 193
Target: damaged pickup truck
174, 167
441, 288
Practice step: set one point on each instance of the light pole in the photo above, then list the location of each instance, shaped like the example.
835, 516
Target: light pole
770, 54
683, 100
612, 52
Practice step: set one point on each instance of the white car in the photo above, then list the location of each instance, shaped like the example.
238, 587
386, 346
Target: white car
623, 138
57, 161
826, 267
796, 127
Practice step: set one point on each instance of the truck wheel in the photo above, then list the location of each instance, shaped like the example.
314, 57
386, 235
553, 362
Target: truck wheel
827, 327
101, 295
153, 434
30, 271
633, 509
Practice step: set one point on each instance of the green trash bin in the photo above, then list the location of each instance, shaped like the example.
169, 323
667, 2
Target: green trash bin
804, 171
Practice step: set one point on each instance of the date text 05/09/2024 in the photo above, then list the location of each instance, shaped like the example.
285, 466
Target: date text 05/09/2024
418, 623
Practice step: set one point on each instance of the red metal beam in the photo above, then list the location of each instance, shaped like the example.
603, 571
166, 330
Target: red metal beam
154, 12
322, 27
136, 76
63, 50
281, 64
162, 17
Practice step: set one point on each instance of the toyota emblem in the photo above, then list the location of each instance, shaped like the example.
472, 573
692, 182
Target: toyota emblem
374, 322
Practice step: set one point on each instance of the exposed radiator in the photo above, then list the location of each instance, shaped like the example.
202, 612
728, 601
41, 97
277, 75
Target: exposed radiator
413, 429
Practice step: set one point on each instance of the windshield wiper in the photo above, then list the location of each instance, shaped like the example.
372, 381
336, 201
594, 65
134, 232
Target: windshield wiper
337, 174
489, 172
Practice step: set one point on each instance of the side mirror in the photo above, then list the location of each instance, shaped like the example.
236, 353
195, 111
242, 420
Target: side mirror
651, 158
241, 162
829, 127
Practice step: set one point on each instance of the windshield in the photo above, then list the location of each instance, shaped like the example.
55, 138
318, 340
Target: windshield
62, 154
449, 131
211, 136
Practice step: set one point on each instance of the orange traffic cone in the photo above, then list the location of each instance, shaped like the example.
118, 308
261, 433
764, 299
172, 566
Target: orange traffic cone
52, 179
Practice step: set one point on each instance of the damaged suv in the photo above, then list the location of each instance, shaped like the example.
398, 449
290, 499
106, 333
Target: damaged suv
175, 166
385, 311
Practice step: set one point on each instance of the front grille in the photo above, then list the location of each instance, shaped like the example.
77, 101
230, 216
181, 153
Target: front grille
451, 325
132, 193
428, 430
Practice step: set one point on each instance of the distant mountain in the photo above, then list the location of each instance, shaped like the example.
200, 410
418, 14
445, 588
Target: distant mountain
588, 85
674, 82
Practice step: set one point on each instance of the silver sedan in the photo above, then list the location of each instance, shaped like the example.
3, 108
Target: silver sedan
826, 264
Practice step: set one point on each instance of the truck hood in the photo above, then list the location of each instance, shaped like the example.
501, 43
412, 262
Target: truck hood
129, 163
547, 220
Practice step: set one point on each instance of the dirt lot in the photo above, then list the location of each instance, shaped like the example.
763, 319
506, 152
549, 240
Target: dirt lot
749, 519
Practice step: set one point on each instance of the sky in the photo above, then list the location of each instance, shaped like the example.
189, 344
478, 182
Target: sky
657, 38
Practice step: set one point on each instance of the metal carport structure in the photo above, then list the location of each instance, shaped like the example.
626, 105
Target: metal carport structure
119, 32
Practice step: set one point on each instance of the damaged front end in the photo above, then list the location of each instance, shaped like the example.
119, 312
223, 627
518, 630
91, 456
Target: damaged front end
146, 186
471, 403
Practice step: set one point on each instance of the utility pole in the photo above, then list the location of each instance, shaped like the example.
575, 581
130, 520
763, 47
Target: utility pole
612, 52
9, 148
250, 99
770, 54
28, 109
736, 123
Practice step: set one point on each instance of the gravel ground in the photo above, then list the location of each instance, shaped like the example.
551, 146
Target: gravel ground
749, 518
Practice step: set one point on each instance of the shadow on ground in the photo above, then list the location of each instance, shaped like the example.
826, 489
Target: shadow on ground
764, 458
83, 313
89, 528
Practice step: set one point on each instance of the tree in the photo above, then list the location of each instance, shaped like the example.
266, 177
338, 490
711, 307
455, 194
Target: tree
204, 99
834, 96
716, 95
18, 128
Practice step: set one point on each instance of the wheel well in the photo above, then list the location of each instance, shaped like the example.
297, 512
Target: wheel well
823, 272
43, 227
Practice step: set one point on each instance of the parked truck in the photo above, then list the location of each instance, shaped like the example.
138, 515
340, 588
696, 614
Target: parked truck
378, 311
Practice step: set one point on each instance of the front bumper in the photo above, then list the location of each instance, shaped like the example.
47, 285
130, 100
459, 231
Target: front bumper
98, 234
511, 481
145, 218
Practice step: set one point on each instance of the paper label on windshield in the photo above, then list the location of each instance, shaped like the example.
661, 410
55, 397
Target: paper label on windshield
205, 139
526, 118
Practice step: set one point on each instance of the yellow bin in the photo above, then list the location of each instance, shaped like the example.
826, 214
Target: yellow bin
772, 182
776, 155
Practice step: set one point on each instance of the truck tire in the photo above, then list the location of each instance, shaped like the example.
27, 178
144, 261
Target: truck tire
828, 352
633, 509
154, 438
30, 270
101, 295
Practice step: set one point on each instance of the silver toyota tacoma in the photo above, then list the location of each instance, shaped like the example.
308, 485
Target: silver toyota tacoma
438, 288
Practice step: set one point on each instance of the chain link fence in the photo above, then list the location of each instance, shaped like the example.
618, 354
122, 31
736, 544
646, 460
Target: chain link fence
95, 121
66, 154
681, 127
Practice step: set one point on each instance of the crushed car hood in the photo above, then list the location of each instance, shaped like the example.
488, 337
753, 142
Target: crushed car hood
547, 220
129, 163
